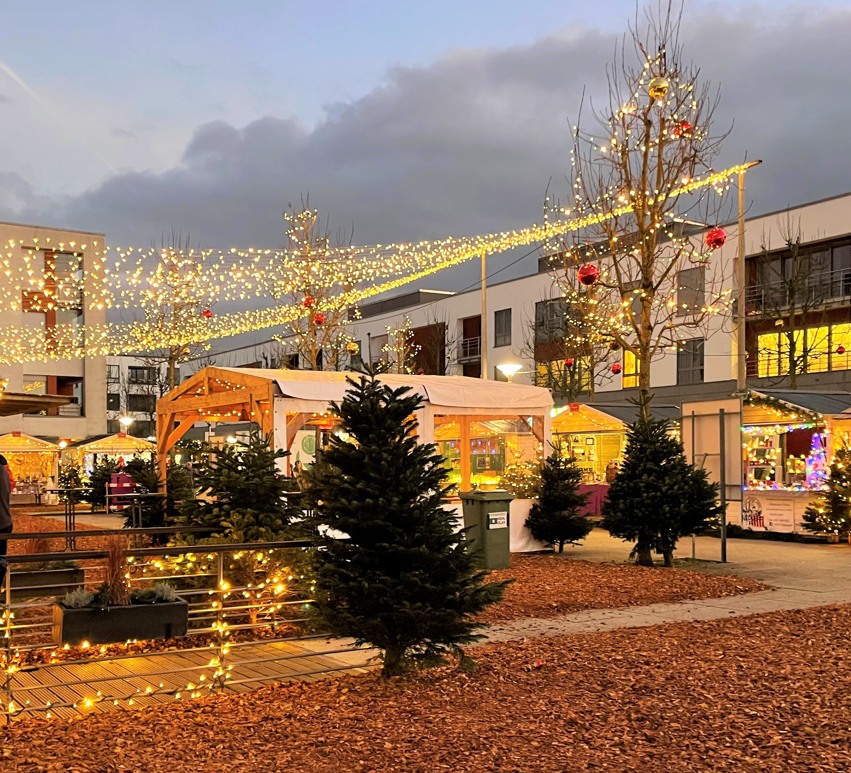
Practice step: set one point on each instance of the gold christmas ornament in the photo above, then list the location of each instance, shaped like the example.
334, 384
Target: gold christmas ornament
658, 88
352, 347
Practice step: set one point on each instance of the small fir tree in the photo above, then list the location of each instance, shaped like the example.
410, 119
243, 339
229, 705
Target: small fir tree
522, 479
101, 474
831, 512
555, 517
403, 580
250, 498
657, 496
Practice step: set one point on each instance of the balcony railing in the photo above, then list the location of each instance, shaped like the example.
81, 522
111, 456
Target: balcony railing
470, 349
818, 289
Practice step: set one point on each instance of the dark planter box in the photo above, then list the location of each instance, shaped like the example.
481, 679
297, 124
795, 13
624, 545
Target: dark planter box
118, 624
39, 583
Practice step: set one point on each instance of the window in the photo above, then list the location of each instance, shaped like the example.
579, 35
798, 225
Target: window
141, 403
550, 321
35, 385
630, 370
113, 401
502, 327
562, 379
142, 375
113, 426
113, 374
691, 290
690, 361
817, 349
143, 428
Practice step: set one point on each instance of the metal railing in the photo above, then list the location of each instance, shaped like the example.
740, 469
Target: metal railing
470, 348
820, 288
237, 595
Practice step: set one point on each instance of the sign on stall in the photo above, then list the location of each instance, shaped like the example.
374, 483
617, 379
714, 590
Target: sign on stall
768, 513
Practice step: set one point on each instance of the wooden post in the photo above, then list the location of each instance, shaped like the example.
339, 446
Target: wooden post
464, 422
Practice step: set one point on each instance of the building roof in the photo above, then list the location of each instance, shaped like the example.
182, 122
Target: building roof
824, 403
13, 403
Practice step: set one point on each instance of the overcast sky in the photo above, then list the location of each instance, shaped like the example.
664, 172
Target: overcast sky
408, 120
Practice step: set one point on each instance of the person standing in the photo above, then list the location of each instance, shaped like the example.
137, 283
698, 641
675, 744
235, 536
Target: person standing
5, 514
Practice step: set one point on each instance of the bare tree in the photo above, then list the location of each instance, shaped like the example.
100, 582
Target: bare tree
319, 335
789, 291
401, 350
655, 135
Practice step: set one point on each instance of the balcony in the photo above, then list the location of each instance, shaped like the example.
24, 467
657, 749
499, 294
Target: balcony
470, 349
824, 288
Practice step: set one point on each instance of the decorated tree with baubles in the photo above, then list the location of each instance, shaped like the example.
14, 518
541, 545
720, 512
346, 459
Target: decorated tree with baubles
831, 512
401, 578
649, 269
317, 340
556, 518
657, 496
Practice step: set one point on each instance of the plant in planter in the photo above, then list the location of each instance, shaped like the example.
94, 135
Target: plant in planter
44, 578
114, 614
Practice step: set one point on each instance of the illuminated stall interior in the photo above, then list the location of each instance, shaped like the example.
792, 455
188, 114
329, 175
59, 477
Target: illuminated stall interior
788, 438
595, 435
475, 423
32, 461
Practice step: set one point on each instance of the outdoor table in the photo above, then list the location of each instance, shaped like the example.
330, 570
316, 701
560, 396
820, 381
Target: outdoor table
70, 512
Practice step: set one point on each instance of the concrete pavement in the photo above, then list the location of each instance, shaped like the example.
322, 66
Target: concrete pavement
801, 576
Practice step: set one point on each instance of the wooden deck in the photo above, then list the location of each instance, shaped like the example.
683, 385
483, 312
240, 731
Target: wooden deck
66, 690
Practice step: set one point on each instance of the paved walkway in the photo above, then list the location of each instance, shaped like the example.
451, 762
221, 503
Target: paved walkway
801, 576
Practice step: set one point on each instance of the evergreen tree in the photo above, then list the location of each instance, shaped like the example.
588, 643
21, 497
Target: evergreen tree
657, 496
555, 517
250, 498
403, 580
100, 475
832, 511
522, 479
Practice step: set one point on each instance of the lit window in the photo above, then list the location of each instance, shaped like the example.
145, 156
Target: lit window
630, 370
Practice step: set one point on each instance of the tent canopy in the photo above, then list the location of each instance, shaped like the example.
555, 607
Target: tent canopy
18, 442
14, 403
115, 444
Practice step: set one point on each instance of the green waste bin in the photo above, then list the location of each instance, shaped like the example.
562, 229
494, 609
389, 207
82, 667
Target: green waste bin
487, 527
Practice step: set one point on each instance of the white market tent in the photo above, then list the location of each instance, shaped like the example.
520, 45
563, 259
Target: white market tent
467, 416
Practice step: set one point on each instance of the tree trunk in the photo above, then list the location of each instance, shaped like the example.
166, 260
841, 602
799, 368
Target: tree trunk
643, 556
561, 546
669, 557
394, 661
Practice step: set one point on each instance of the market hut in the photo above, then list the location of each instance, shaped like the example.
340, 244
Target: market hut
472, 420
32, 461
118, 446
788, 439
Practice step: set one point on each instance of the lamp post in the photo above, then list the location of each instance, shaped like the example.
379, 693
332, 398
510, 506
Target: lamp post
509, 369
125, 422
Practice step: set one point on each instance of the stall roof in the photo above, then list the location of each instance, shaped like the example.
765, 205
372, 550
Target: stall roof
18, 442
628, 414
611, 417
447, 391
13, 403
114, 444
824, 403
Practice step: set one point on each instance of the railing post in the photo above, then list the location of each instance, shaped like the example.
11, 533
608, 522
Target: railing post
7, 636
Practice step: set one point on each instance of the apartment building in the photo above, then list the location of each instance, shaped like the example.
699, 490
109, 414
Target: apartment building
133, 386
62, 260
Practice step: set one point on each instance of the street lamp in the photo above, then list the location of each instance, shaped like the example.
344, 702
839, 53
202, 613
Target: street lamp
125, 422
509, 369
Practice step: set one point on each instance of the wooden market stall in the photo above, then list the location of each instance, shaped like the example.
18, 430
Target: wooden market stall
472, 420
118, 447
33, 463
595, 436
788, 438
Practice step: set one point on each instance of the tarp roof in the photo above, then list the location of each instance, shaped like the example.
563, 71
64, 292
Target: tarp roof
612, 417
114, 444
825, 403
18, 442
13, 403
448, 391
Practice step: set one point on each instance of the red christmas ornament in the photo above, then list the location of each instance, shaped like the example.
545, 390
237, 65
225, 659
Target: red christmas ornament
207, 314
840, 349
715, 238
320, 319
588, 274
683, 129
616, 368
308, 302
569, 362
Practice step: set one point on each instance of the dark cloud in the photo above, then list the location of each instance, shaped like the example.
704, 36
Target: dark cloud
468, 144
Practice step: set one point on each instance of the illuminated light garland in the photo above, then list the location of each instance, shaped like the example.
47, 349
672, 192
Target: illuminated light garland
235, 275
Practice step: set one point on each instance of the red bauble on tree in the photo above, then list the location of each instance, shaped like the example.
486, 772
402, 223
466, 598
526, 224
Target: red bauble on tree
616, 368
568, 361
682, 129
308, 302
715, 238
320, 319
207, 314
840, 349
588, 274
